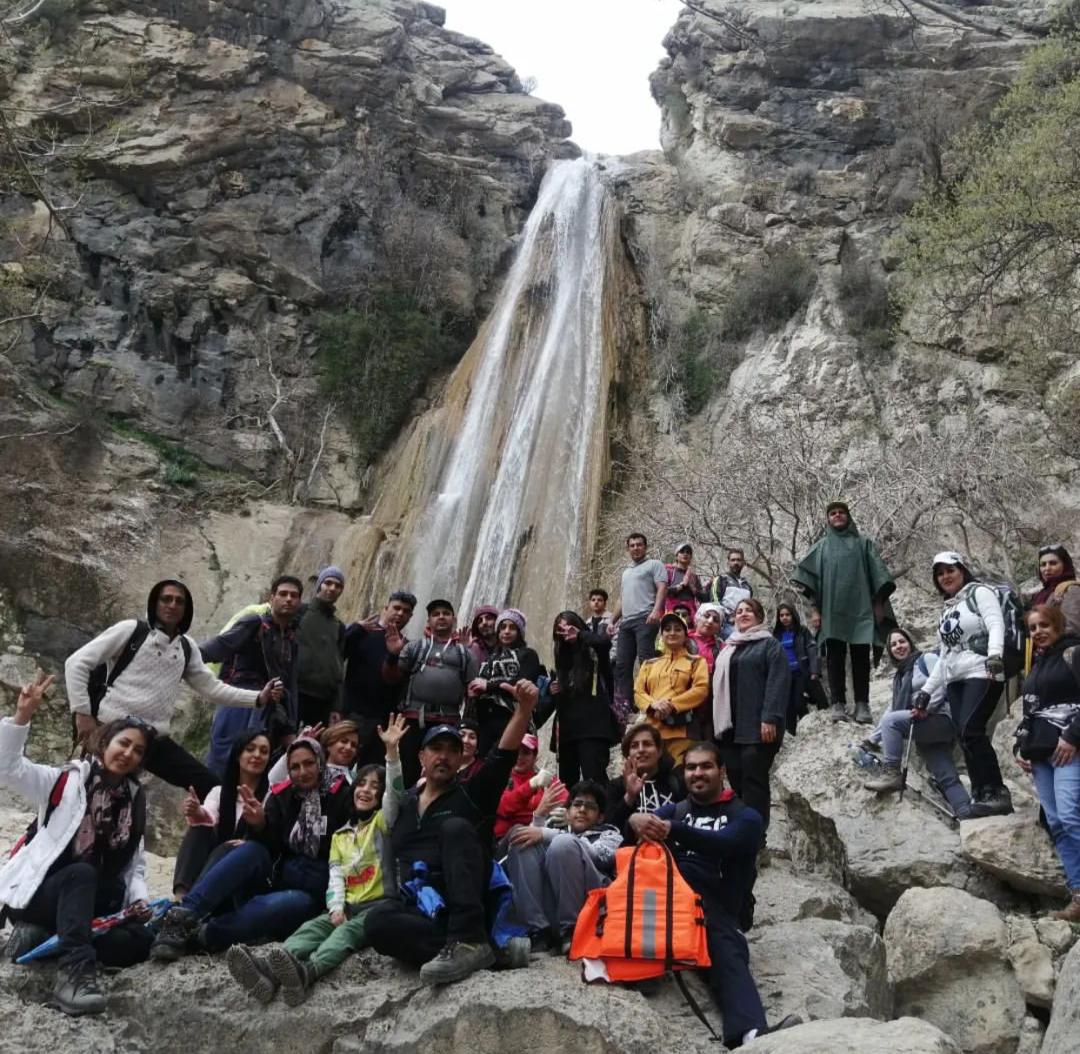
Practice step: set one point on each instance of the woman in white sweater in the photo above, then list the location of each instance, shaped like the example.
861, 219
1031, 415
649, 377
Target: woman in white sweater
83, 856
971, 669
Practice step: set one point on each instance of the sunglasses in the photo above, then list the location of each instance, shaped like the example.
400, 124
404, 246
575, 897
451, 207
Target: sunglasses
1044, 549
170, 601
586, 804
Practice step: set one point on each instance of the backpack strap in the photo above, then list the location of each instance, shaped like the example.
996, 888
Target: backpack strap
682, 810
694, 1005
123, 660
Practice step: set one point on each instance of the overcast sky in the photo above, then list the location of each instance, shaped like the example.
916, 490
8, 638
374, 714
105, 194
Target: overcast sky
593, 57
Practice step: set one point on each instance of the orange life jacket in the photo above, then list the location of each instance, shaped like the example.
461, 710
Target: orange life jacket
648, 921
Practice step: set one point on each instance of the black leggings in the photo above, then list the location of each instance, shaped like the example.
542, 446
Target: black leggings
67, 901
584, 759
748, 767
972, 704
836, 660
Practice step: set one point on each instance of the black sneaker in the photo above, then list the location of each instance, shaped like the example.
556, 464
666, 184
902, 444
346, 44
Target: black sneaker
973, 810
788, 1022
295, 977
998, 801
25, 937
251, 973
77, 992
456, 961
566, 938
540, 941
178, 928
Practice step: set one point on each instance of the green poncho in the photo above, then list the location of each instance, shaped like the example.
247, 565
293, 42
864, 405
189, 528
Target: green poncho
843, 575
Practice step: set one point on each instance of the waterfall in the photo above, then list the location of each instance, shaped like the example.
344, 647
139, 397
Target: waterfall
506, 521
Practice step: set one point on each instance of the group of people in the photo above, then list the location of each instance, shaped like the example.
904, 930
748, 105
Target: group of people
362, 789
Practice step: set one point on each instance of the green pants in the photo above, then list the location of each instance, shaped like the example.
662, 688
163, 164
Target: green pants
325, 945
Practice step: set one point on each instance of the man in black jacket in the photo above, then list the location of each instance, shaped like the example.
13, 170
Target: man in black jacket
442, 836
320, 661
714, 838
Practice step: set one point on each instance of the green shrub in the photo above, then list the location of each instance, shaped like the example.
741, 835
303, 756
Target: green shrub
870, 312
702, 362
376, 360
181, 467
766, 294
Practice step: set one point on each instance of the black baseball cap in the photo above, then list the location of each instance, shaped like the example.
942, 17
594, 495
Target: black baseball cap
440, 730
433, 604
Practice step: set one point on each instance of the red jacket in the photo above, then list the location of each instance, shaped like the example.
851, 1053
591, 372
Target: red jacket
518, 802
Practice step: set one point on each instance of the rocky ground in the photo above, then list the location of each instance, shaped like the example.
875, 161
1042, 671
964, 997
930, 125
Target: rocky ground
874, 922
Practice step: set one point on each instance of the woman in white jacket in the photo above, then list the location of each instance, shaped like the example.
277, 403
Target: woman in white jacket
83, 856
971, 669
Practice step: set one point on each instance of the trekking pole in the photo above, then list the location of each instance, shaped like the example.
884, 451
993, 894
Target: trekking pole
907, 759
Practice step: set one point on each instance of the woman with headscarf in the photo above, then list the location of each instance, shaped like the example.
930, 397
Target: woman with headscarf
802, 658
971, 670
846, 580
583, 691
1048, 739
491, 698
685, 588
1058, 585
751, 686
277, 879
83, 856
934, 735
217, 824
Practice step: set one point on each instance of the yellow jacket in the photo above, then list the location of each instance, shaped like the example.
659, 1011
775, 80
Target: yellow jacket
683, 680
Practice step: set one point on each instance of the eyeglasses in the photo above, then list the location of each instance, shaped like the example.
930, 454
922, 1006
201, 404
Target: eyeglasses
586, 804
170, 601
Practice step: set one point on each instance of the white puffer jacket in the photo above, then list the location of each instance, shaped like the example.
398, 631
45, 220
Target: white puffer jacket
23, 873
960, 629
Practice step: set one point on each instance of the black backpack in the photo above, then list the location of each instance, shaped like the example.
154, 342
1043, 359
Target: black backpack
101, 677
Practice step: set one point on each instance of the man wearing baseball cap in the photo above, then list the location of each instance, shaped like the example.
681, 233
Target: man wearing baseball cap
438, 669
442, 836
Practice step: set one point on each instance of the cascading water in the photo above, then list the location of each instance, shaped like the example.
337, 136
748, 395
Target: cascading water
506, 521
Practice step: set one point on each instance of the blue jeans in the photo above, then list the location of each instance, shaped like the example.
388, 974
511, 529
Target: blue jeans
1059, 794
241, 881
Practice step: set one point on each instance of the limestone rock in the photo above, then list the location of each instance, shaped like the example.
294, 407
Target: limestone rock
859, 1036
946, 955
1064, 1028
1017, 850
874, 845
820, 969
1033, 966
1056, 934
784, 896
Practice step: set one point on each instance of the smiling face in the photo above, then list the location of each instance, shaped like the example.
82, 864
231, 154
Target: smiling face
255, 757
745, 617
124, 753
1042, 631
366, 792
343, 751
674, 635
645, 754
468, 745
509, 634
526, 760
704, 777
582, 813
950, 578
1051, 566
303, 768
708, 624
899, 648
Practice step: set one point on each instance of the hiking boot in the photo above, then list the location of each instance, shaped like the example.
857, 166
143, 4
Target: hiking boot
456, 961
838, 712
251, 973
1071, 911
997, 801
863, 715
25, 937
788, 1022
77, 992
514, 954
295, 977
972, 810
540, 941
889, 780
566, 938
177, 929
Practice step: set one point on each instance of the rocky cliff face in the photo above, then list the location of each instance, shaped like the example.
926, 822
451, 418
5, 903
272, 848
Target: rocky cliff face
225, 173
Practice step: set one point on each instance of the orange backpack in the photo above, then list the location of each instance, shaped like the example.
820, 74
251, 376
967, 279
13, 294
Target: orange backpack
648, 921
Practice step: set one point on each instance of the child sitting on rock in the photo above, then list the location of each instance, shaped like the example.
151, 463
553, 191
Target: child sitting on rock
361, 876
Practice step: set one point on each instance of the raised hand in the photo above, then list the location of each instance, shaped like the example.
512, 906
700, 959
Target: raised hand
394, 640
554, 794
191, 806
32, 695
252, 812
370, 624
526, 694
632, 781
392, 735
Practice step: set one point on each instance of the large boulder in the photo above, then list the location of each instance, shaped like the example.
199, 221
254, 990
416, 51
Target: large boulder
874, 845
783, 895
947, 961
1063, 1035
820, 968
1016, 850
858, 1036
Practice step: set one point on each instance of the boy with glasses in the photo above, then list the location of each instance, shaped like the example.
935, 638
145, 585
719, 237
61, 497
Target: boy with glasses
552, 870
